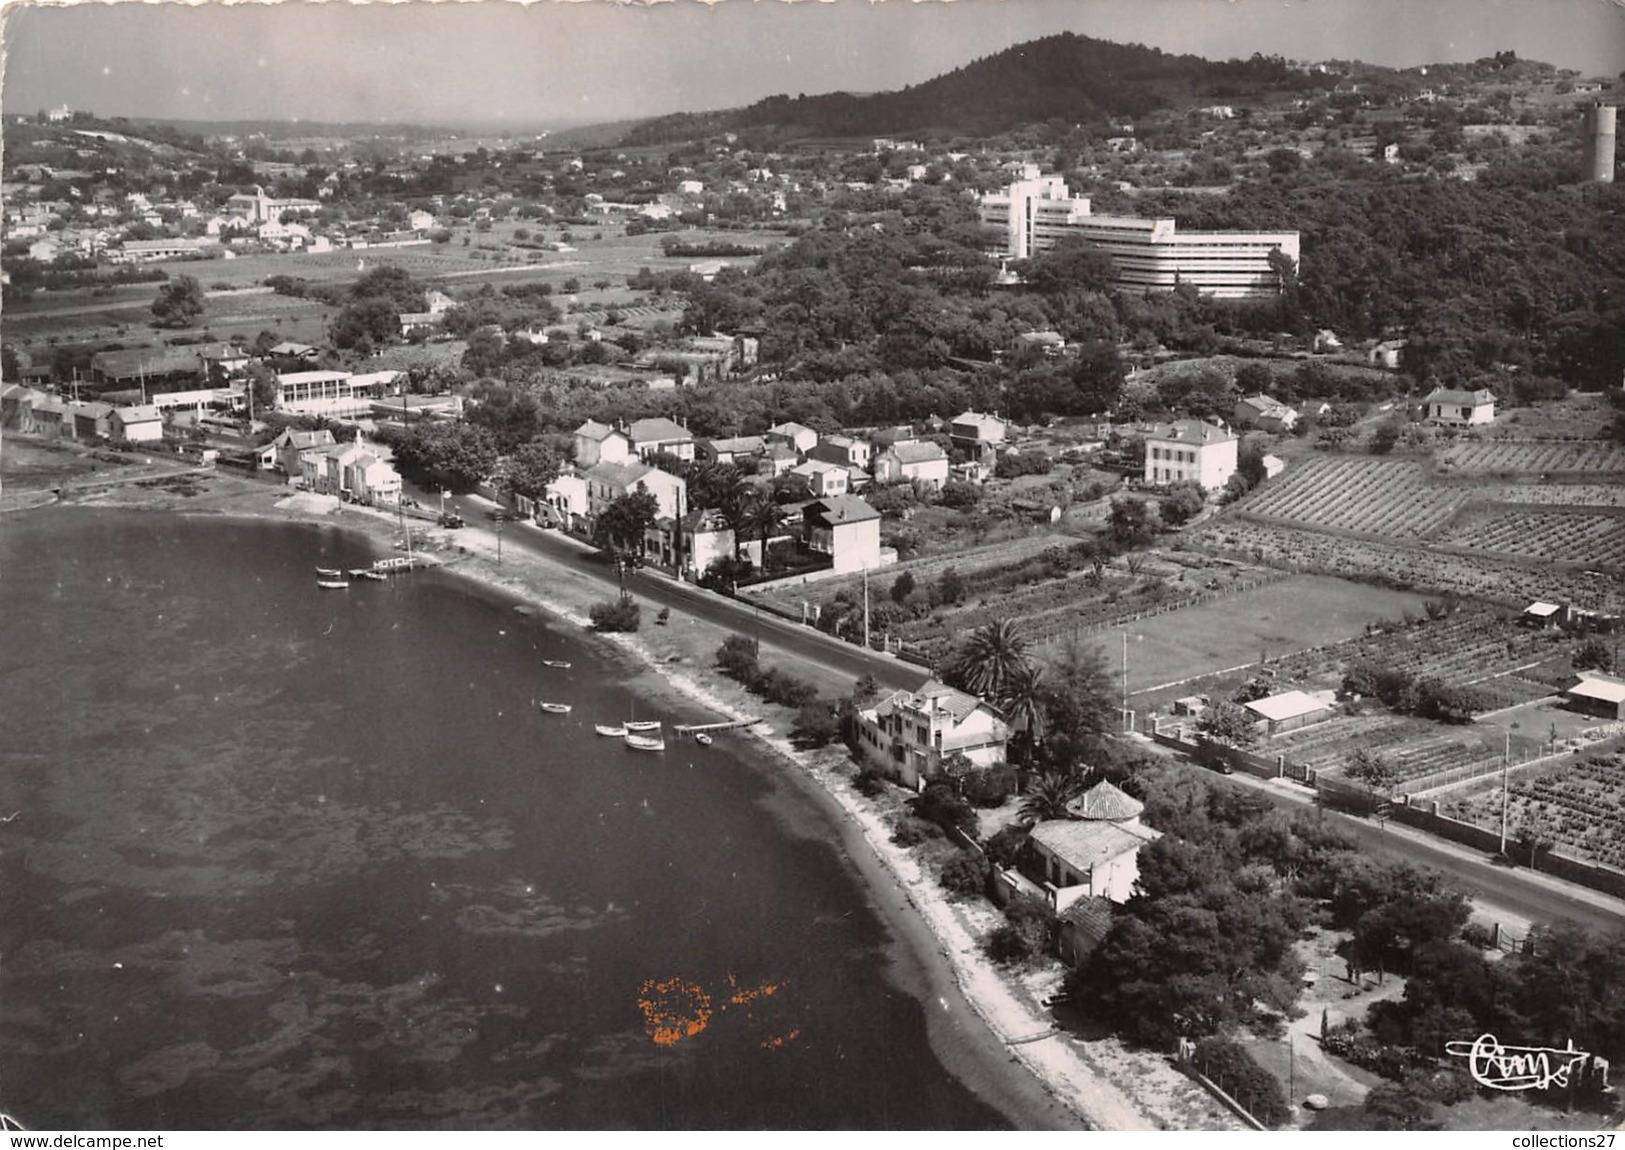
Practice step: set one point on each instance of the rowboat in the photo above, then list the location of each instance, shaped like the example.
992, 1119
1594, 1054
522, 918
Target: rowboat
329, 572
376, 576
702, 738
556, 663
612, 732
642, 724
333, 584
643, 743
555, 708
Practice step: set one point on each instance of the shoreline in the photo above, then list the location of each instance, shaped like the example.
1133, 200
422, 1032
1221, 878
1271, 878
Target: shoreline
973, 1011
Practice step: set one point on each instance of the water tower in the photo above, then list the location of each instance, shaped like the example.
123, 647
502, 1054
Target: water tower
1599, 148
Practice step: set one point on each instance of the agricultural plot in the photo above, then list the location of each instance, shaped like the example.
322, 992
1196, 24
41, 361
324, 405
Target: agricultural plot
1559, 494
1375, 496
1533, 456
1325, 747
1560, 536
1579, 806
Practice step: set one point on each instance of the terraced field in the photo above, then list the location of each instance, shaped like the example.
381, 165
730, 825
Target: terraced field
1376, 496
1561, 536
1533, 456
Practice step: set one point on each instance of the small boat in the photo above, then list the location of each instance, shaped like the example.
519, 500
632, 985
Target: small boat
555, 708
560, 663
333, 584
611, 732
642, 724
375, 576
702, 738
644, 743
329, 572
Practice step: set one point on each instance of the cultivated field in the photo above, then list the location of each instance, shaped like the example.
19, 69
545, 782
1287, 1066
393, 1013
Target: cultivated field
1354, 493
1565, 536
1534, 457
1578, 804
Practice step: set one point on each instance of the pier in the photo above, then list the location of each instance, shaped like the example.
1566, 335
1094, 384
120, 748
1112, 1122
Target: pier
729, 725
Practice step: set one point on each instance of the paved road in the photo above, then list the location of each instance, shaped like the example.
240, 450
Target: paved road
802, 642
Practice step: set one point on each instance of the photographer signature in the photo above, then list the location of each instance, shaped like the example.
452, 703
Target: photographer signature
1514, 1068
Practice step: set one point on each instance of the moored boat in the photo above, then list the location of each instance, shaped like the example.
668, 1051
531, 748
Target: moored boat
611, 732
702, 738
556, 663
642, 724
329, 572
645, 743
333, 584
555, 708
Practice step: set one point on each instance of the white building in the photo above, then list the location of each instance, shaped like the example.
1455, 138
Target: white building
1190, 450
1450, 407
1094, 854
910, 733
1147, 254
335, 393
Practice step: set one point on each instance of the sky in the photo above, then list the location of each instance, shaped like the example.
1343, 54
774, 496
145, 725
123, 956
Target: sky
555, 62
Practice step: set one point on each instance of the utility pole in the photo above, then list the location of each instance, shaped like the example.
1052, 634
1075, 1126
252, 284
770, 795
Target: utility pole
1506, 771
1120, 718
866, 608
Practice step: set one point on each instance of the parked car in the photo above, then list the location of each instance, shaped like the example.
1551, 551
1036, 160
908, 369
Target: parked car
450, 520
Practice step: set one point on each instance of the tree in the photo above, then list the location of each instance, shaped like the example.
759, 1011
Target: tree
1179, 503
623, 524
1132, 522
1046, 799
1593, 655
816, 725
456, 456
902, 586
1022, 701
1229, 722
262, 386
990, 659
1370, 768
622, 614
532, 468
179, 303
1080, 705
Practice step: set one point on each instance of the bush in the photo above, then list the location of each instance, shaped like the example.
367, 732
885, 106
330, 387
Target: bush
965, 874
816, 725
1028, 931
909, 831
1007, 846
871, 782
940, 805
1235, 1072
616, 615
989, 787
737, 658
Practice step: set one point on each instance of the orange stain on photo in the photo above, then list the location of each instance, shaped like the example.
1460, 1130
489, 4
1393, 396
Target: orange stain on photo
674, 1009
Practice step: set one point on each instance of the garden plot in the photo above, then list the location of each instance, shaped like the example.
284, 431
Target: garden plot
1533, 456
1578, 805
1374, 496
1567, 536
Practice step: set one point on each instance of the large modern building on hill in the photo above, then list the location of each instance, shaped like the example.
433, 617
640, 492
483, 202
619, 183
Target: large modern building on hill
1150, 254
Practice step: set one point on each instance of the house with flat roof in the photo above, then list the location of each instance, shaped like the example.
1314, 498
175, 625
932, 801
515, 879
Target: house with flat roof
1288, 711
911, 734
1190, 450
1453, 407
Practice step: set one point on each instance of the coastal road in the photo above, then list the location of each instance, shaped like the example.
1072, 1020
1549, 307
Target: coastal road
1499, 891
737, 615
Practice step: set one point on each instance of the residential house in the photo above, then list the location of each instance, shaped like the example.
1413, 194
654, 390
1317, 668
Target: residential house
1542, 615
1386, 354
794, 435
1094, 853
17, 406
1288, 711
707, 537
597, 443
978, 433
370, 479
921, 462
52, 418
779, 459
1190, 450
352, 469
567, 496
842, 449
1265, 413
607, 482
287, 349
1452, 407
1598, 694
911, 734
1326, 340
291, 446
660, 436
741, 450
845, 528
822, 479
139, 424
94, 421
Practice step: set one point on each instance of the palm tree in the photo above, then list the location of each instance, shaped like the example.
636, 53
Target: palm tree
762, 516
1022, 702
1046, 800
992, 656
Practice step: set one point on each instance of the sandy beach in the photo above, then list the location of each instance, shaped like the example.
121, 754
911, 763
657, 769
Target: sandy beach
988, 1025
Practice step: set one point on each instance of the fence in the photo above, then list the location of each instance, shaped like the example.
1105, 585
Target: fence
1553, 863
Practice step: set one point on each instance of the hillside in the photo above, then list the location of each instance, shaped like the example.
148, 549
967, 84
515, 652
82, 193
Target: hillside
1067, 77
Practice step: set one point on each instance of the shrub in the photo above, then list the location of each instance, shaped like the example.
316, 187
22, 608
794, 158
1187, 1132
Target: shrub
990, 787
871, 782
616, 615
909, 831
816, 725
965, 874
940, 805
1235, 1072
1007, 846
1027, 932
737, 658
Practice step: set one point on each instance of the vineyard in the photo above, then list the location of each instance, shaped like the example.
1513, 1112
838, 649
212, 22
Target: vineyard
1533, 456
1559, 494
1510, 581
1580, 806
1560, 536
1376, 496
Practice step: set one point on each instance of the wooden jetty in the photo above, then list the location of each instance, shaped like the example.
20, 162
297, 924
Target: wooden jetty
729, 725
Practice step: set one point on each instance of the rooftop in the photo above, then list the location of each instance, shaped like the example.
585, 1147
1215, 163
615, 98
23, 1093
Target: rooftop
841, 509
1596, 685
1189, 431
1105, 803
924, 452
658, 430
1083, 845
1286, 705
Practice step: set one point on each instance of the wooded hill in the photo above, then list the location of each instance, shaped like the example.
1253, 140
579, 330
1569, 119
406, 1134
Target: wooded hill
1067, 77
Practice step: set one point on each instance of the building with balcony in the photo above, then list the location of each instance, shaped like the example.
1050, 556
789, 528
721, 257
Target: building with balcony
910, 734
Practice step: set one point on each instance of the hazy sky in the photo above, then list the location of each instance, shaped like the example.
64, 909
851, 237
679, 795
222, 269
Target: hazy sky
555, 61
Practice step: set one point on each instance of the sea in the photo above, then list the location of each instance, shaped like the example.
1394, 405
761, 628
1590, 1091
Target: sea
279, 857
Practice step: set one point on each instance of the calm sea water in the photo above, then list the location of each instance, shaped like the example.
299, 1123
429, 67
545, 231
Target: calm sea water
286, 857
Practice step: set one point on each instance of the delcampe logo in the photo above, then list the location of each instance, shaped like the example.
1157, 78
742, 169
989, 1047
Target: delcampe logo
1514, 1068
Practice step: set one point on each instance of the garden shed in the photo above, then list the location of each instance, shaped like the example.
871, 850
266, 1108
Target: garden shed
1289, 710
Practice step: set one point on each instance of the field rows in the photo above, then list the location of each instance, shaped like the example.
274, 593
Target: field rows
1560, 494
1534, 456
1579, 806
1565, 537
1384, 497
